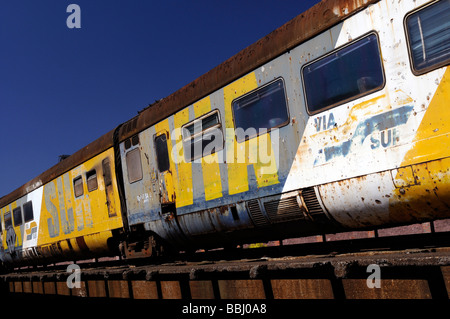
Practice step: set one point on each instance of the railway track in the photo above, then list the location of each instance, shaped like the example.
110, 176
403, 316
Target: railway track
415, 266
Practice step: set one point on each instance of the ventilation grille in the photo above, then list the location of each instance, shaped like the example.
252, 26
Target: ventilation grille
313, 205
256, 213
284, 209
287, 209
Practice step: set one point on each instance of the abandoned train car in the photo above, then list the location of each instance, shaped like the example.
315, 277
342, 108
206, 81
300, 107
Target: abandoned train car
335, 121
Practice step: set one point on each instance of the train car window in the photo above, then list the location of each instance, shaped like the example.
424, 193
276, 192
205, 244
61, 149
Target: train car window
17, 216
134, 165
107, 172
202, 136
343, 75
260, 110
91, 178
428, 33
8, 220
78, 186
28, 211
162, 153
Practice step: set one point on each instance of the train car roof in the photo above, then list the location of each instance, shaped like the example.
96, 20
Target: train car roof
96, 147
306, 25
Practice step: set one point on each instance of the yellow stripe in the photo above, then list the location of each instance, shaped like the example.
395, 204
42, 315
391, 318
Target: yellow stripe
257, 151
184, 188
210, 163
265, 165
237, 170
422, 182
431, 141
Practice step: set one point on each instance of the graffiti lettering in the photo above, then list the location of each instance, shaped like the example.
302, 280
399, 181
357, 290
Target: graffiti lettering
321, 123
384, 138
53, 221
60, 205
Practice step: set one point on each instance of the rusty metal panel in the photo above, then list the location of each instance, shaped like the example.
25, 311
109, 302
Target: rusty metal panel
302, 289
241, 289
118, 289
144, 289
377, 199
62, 288
27, 287
171, 290
18, 286
97, 288
49, 287
80, 292
201, 289
390, 289
38, 287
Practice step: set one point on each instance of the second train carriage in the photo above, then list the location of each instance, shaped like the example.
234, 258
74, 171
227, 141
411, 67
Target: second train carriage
70, 212
344, 128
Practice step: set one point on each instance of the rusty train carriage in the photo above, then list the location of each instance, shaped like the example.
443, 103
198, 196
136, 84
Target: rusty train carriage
359, 138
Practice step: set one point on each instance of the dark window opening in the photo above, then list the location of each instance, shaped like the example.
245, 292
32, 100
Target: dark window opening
107, 172
28, 211
203, 136
234, 212
135, 140
162, 153
260, 110
8, 220
91, 178
17, 216
348, 73
428, 33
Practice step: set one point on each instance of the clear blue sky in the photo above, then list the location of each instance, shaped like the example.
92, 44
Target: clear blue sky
62, 88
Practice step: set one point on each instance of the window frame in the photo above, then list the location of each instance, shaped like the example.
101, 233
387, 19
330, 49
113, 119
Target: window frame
156, 136
136, 149
408, 43
17, 212
75, 180
188, 140
8, 220
288, 120
353, 98
25, 216
89, 176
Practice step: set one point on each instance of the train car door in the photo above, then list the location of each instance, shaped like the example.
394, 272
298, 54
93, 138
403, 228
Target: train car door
167, 196
109, 189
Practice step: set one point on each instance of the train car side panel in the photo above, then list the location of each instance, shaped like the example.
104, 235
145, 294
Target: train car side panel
20, 224
80, 209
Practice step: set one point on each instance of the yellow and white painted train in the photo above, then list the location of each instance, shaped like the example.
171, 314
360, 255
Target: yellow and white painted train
338, 120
